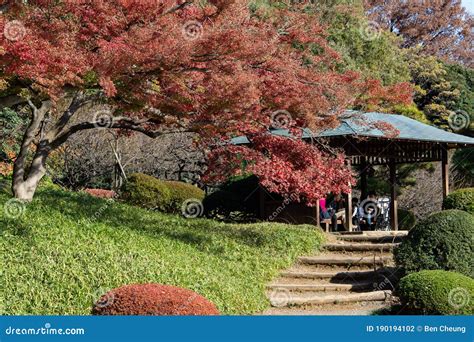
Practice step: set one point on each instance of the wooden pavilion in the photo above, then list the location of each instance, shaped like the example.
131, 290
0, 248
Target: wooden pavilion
366, 146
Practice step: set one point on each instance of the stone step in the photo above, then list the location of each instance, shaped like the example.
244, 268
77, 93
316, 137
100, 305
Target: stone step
377, 238
285, 298
347, 260
327, 268
298, 287
336, 274
362, 247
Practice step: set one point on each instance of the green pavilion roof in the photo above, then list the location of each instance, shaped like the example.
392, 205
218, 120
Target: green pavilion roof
355, 123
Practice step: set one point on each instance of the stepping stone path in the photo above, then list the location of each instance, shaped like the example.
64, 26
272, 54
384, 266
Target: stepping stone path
353, 275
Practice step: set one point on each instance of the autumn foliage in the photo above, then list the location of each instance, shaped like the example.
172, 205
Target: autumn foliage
217, 68
442, 28
153, 299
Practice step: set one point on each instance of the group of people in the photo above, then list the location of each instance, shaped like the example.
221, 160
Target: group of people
366, 214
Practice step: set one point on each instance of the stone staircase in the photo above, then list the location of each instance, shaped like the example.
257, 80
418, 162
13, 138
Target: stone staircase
354, 274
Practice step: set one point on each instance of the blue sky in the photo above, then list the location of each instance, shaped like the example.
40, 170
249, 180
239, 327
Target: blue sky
469, 4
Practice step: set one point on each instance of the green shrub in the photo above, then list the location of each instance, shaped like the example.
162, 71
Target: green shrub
406, 219
147, 192
442, 241
461, 199
236, 200
437, 293
180, 192
152, 193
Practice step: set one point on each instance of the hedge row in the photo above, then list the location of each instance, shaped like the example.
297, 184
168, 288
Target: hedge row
461, 199
166, 196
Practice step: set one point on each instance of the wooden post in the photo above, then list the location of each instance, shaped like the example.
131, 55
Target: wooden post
261, 196
348, 220
318, 214
445, 170
363, 179
393, 195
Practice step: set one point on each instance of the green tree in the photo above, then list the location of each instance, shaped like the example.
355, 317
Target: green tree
435, 95
462, 78
363, 46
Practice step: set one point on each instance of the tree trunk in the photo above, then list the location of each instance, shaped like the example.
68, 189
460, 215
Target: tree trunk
26, 180
25, 184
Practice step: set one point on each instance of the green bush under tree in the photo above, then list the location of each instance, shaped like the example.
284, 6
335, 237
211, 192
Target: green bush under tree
406, 219
437, 293
236, 200
443, 241
461, 199
166, 196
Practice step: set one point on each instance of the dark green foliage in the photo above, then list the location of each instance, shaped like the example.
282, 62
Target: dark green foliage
463, 167
12, 125
442, 241
378, 177
149, 192
462, 78
406, 219
236, 200
437, 293
461, 199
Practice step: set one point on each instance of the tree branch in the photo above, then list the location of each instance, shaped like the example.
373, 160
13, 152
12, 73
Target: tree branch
177, 7
28, 138
10, 101
79, 100
117, 123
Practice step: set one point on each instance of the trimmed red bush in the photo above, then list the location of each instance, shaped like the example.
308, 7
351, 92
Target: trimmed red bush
153, 299
101, 193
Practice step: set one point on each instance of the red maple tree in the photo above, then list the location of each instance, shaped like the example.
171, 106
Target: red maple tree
219, 69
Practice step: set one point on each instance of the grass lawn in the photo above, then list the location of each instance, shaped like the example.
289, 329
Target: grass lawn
68, 248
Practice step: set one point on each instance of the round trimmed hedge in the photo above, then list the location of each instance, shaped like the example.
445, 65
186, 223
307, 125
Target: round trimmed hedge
153, 299
461, 199
437, 293
152, 193
443, 241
